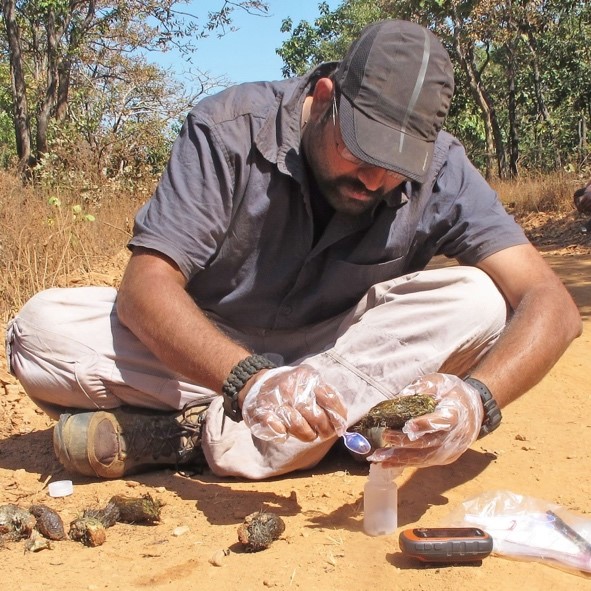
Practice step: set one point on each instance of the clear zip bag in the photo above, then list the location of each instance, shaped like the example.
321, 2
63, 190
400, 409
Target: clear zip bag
527, 528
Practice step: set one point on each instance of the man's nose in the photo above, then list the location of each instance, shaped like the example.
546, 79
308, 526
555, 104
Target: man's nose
372, 177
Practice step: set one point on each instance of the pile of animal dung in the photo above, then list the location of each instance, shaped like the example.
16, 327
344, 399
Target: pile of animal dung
40, 525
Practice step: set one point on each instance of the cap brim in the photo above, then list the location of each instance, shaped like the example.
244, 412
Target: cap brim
383, 146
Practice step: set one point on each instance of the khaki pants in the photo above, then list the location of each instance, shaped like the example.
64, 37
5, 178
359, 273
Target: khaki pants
69, 351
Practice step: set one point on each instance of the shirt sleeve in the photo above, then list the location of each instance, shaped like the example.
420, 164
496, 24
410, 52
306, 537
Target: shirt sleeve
188, 216
477, 224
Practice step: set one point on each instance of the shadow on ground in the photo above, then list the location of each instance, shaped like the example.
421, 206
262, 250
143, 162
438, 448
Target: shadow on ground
575, 273
31, 452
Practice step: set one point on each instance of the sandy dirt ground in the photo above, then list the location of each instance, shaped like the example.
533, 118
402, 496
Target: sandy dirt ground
542, 450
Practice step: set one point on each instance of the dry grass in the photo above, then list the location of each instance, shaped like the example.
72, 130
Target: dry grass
46, 240
550, 193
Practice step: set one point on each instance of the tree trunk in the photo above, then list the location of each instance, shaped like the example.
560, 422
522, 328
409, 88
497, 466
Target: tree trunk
49, 100
19, 96
582, 139
513, 133
541, 103
494, 143
63, 89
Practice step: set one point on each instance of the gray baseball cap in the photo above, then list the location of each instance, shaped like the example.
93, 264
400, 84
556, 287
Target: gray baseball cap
394, 88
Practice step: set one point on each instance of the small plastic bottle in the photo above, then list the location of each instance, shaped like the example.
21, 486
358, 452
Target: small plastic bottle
380, 500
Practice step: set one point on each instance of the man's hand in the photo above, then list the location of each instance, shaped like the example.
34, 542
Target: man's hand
439, 437
293, 401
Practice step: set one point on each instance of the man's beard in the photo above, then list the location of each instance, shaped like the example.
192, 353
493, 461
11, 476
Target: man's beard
349, 196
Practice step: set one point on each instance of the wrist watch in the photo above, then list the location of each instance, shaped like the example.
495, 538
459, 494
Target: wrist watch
492, 412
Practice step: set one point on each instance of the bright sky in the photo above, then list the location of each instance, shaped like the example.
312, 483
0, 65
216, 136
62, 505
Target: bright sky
247, 54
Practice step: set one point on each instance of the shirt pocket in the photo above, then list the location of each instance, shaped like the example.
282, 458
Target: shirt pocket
350, 282
366, 275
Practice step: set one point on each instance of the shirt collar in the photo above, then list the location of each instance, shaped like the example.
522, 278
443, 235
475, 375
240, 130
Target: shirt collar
399, 196
280, 136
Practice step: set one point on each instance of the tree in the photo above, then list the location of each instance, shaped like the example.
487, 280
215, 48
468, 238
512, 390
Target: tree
449, 19
329, 37
522, 69
50, 43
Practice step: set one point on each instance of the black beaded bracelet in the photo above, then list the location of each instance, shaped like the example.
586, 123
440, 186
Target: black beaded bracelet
236, 380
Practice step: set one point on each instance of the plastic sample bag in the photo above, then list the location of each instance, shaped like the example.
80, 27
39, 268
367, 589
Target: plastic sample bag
526, 528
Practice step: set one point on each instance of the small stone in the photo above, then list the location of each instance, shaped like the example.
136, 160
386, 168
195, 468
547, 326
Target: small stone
180, 531
132, 483
13, 392
519, 437
36, 543
218, 556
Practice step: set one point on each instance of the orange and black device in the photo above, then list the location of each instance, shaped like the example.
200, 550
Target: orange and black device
446, 544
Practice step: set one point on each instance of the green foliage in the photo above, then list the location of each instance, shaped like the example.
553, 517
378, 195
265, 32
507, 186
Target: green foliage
533, 54
7, 146
78, 80
7, 139
77, 210
328, 38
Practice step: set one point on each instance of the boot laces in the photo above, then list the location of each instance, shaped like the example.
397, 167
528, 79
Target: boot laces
175, 435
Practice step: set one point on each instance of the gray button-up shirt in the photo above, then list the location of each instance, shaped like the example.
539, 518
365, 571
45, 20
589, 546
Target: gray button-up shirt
233, 211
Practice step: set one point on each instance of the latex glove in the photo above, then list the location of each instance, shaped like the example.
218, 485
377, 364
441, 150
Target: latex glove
440, 437
293, 401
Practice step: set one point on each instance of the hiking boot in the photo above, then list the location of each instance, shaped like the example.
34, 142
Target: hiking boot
128, 440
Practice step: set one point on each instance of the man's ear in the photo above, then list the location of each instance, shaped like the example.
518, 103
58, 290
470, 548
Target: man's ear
322, 96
